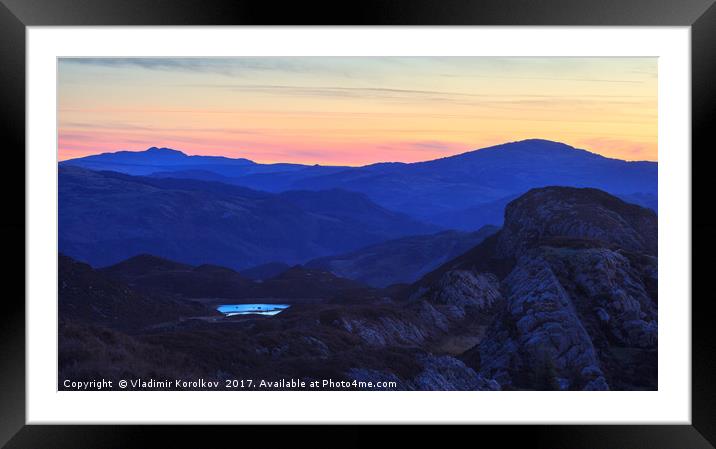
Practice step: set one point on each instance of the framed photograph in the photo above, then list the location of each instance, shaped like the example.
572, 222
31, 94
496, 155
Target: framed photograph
393, 212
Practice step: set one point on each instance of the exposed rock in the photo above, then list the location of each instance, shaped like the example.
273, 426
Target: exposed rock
466, 289
598, 384
605, 283
447, 373
383, 331
539, 342
431, 317
315, 345
584, 214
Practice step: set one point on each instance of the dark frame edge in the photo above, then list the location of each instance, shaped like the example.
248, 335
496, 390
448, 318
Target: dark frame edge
552, 437
12, 129
365, 12
702, 432
703, 105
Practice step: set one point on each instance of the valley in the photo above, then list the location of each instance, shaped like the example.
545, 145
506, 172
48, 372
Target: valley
563, 296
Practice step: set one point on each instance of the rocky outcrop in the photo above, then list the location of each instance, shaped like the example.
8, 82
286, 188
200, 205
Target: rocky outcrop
384, 330
583, 214
437, 373
456, 297
539, 342
580, 299
445, 373
611, 291
466, 289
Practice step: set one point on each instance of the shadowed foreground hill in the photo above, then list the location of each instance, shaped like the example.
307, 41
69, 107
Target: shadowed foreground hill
564, 297
86, 295
106, 217
153, 274
122, 332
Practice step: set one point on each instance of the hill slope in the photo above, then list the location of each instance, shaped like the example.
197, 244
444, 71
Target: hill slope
154, 275
88, 295
106, 217
402, 260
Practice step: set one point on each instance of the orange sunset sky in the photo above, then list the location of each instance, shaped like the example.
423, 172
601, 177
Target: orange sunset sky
355, 110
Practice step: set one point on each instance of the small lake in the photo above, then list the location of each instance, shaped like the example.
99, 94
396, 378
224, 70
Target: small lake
252, 309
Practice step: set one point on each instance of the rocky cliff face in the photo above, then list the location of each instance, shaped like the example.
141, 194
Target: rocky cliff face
572, 297
539, 340
466, 289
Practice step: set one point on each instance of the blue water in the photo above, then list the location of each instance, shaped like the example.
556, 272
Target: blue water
252, 309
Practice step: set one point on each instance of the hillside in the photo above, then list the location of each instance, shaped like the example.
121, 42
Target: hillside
402, 260
86, 295
106, 217
155, 275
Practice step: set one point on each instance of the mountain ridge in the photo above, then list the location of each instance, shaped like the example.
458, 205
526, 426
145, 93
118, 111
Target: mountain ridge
403, 260
503, 146
449, 192
106, 217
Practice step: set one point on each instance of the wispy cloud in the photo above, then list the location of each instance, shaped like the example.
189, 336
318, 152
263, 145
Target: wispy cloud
130, 128
414, 96
222, 66
545, 78
333, 91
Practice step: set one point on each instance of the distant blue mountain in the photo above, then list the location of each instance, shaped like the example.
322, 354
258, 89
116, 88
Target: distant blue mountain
465, 191
151, 160
166, 160
106, 217
402, 260
469, 181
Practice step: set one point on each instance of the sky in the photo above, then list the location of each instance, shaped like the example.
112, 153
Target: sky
355, 110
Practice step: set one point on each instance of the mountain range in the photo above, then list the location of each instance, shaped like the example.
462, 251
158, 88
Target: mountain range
464, 191
106, 217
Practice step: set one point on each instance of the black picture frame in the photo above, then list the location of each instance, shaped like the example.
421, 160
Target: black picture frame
16, 15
